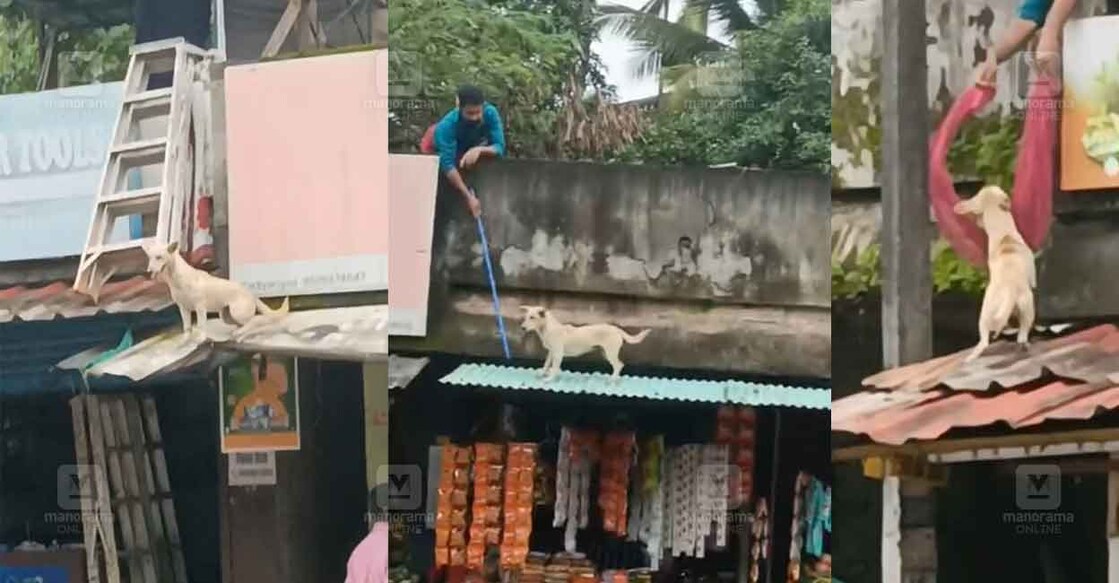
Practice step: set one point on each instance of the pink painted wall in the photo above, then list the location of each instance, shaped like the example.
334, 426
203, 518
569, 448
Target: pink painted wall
412, 186
307, 143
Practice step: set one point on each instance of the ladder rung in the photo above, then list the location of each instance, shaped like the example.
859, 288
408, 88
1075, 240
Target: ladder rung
150, 97
121, 246
141, 147
133, 199
156, 46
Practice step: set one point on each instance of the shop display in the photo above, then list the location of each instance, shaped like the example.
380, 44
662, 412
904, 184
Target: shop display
646, 518
613, 490
485, 525
520, 476
759, 547
811, 519
737, 429
579, 451
450, 517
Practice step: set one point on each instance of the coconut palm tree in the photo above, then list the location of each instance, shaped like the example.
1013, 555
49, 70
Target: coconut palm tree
683, 52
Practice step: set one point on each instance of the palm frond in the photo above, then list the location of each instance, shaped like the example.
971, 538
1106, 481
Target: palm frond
731, 13
675, 42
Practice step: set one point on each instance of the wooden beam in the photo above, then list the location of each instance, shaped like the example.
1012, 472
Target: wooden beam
1090, 441
1113, 523
905, 239
283, 29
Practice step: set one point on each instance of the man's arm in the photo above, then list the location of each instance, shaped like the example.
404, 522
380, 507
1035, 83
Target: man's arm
1049, 40
446, 143
497, 131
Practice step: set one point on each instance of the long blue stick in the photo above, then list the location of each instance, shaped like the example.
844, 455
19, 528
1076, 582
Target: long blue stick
493, 288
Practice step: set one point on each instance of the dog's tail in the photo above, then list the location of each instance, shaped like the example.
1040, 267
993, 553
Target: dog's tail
263, 308
635, 338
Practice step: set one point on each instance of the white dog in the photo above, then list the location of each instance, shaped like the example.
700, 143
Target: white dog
564, 340
200, 293
1010, 262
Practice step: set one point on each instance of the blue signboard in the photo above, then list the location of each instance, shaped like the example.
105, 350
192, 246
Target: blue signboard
34, 575
53, 146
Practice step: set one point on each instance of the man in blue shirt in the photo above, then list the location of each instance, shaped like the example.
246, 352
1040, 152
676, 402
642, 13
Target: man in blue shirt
469, 132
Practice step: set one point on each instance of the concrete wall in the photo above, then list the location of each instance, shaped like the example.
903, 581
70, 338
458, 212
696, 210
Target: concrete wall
959, 33
724, 235
730, 269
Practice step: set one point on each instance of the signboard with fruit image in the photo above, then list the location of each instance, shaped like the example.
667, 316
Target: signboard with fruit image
1090, 108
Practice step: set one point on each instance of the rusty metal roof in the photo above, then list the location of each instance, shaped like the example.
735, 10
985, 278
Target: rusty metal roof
1073, 377
59, 300
357, 334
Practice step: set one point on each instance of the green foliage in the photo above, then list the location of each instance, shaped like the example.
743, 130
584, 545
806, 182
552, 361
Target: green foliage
987, 149
949, 273
773, 110
521, 59
98, 55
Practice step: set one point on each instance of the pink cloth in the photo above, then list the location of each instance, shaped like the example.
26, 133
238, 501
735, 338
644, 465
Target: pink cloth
1032, 198
369, 562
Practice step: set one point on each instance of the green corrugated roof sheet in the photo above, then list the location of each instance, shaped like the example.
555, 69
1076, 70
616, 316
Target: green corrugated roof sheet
738, 392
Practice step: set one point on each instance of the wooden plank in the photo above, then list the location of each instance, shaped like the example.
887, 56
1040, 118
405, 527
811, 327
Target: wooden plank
120, 501
282, 30
1089, 441
101, 490
891, 530
82, 457
141, 519
1112, 531
163, 488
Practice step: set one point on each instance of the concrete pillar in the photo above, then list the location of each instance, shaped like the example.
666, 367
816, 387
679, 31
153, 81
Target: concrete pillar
1113, 519
375, 377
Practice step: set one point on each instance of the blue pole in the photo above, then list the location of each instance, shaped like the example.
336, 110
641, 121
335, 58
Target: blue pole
493, 287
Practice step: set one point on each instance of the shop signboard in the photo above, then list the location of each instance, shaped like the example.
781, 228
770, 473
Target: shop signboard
53, 146
1090, 106
308, 174
259, 405
412, 185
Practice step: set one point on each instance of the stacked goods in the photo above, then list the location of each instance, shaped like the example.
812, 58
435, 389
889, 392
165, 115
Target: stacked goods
737, 428
759, 548
450, 517
617, 457
520, 474
485, 526
646, 515
533, 570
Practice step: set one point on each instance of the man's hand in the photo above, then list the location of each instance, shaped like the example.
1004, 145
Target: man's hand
470, 158
987, 74
474, 205
1048, 56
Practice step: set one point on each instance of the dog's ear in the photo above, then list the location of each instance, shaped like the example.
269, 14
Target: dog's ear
173, 247
1004, 202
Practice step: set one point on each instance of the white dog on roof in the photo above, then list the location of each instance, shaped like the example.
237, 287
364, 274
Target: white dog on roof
562, 340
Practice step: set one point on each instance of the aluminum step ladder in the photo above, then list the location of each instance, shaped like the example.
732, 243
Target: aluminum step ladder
148, 171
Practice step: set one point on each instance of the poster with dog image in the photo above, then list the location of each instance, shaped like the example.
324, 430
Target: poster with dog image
259, 404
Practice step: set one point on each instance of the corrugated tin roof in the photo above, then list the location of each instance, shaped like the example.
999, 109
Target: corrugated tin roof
1008, 385
59, 300
1089, 356
356, 334
740, 392
403, 370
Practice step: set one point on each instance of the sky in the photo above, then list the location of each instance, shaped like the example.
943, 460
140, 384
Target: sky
619, 56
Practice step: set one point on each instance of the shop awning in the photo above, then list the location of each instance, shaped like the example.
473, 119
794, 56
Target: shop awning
1074, 377
350, 334
403, 370
582, 383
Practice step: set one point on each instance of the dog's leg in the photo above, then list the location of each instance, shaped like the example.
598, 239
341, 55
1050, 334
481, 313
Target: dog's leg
557, 360
547, 366
1026, 317
184, 313
611, 353
984, 340
201, 314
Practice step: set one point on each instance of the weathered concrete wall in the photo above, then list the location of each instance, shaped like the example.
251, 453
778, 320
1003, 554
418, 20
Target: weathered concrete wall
729, 269
721, 235
959, 31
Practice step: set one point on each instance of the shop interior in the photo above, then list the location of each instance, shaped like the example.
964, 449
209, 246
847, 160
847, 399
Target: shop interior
543, 487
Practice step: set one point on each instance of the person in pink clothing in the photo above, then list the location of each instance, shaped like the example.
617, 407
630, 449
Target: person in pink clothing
369, 562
